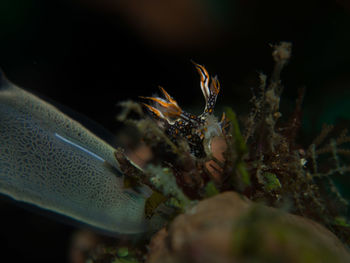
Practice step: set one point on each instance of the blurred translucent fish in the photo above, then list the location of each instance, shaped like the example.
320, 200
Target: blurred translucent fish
49, 160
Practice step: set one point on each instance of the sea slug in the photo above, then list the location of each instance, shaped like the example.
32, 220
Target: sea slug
50, 160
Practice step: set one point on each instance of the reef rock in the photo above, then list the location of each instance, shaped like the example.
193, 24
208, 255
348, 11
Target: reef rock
230, 228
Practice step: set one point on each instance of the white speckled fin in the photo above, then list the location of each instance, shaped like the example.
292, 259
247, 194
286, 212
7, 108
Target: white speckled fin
52, 161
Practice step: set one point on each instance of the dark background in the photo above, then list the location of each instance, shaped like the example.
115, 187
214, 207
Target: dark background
89, 55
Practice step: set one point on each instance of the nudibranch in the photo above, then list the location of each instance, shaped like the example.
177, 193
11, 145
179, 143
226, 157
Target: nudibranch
194, 129
50, 160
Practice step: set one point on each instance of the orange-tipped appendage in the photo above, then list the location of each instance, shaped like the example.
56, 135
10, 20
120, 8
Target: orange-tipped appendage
154, 110
168, 97
168, 110
202, 72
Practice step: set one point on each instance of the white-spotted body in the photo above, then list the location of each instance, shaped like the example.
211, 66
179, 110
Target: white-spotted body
49, 160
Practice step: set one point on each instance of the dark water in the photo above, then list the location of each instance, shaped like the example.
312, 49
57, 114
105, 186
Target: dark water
89, 57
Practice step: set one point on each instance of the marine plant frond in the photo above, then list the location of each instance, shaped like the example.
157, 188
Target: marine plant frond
327, 149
